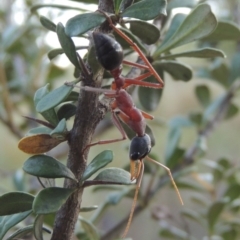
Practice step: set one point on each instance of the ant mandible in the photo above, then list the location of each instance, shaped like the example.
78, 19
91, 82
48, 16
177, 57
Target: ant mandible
110, 55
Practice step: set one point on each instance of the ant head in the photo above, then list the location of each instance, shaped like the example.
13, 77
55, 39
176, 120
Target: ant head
109, 52
140, 147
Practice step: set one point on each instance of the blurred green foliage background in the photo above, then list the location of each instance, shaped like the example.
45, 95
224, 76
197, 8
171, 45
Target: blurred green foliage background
24, 67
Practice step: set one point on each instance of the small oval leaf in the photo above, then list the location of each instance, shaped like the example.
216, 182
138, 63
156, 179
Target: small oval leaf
47, 167
199, 53
53, 98
49, 200
89, 229
67, 45
146, 9
178, 71
117, 175
203, 95
37, 144
48, 24
147, 32
20, 233
225, 30
15, 202
66, 111
39, 130
50, 115
7, 222
198, 24
100, 161
60, 131
88, 209
83, 22
37, 227
214, 212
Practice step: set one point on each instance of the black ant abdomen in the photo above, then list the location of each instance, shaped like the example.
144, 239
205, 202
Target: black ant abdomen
140, 147
109, 52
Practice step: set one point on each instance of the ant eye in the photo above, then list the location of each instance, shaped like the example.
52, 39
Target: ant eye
109, 52
140, 147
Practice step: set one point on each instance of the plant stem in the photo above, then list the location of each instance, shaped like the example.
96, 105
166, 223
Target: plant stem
89, 113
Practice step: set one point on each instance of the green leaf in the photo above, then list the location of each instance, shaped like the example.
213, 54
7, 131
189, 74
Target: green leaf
149, 97
214, 212
175, 158
48, 24
88, 209
116, 175
203, 94
234, 67
199, 53
53, 98
171, 232
38, 130
117, 4
60, 130
225, 30
149, 132
233, 192
49, 200
83, 22
196, 118
179, 4
37, 227
73, 97
178, 71
198, 24
100, 161
7, 222
15, 202
66, 111
220, 72
147, 32
146, 9
212, 108
175, 24
192, 215
50, 115
47, 167
125, 44
172, 143
89, 228
125, 4
19, 234
67, 45
232, 111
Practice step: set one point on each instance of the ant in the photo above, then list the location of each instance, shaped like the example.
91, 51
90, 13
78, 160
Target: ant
110, 55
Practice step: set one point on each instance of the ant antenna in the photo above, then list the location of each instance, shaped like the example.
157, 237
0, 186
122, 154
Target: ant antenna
170, 175
139, 181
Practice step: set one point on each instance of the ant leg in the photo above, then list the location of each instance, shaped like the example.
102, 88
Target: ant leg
135, 64
146, 115
135, 47
170, 175
117, 123
139, 181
